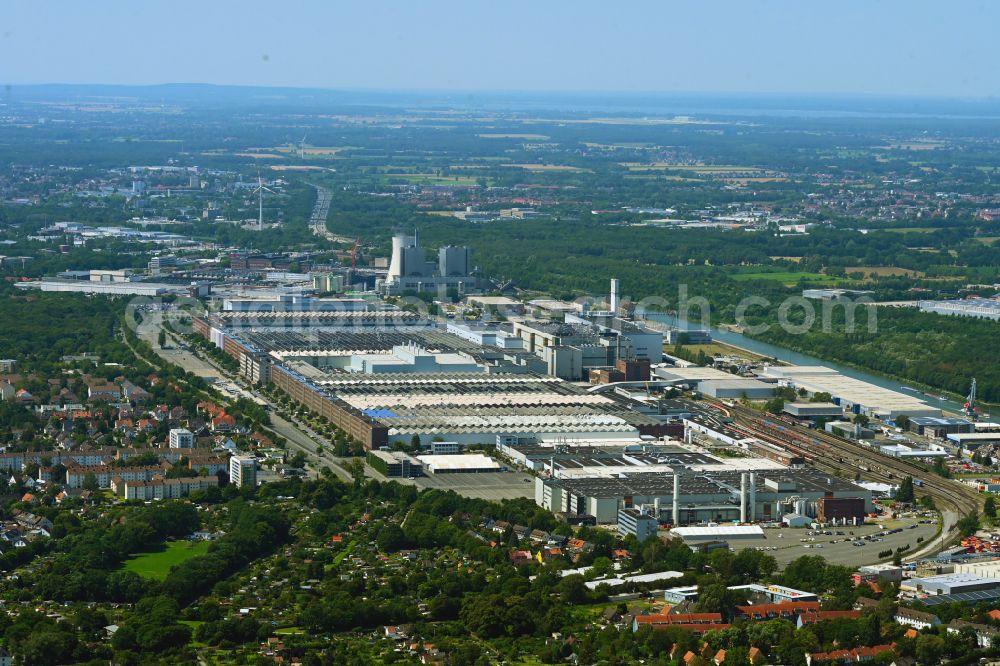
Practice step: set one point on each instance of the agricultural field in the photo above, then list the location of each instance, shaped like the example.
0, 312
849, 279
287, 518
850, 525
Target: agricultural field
884, 271
531, 137
548, 167
158, 564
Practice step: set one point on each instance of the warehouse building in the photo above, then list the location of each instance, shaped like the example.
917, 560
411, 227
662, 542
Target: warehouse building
970, 441
939, 426
987, 569
853, 395
953, 583
813, 410
736, 387
983, 308
469, 463
99, 288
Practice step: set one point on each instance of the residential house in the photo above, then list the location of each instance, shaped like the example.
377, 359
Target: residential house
101, 391
986, 636
811, 617
857, 655
788, 610
160, 488
133, 393
916, 619
103, 474
223, 423
698, 623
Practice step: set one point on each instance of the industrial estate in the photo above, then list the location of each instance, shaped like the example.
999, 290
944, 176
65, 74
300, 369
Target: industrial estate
439, 385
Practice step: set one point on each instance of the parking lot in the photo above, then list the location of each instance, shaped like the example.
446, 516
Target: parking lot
786, 544
494, 486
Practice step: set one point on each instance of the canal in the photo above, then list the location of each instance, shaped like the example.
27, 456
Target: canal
795, 358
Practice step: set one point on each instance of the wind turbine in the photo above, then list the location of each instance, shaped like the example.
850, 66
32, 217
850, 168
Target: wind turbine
259, 191
302, 148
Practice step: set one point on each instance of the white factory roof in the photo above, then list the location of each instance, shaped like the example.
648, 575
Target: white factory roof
949, 579
465, 461
477, 400
640, 578
692, 374
882, 401
721, 532
986, 569
974, 436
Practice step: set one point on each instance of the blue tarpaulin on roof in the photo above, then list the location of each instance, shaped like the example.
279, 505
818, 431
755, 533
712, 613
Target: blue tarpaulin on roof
380, 413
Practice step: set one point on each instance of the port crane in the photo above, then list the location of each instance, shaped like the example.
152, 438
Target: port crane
970, 401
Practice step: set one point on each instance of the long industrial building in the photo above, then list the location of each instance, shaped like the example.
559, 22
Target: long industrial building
851, 394
476, 408
685, 497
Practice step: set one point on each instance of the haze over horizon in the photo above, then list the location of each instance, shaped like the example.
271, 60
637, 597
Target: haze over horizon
851, 47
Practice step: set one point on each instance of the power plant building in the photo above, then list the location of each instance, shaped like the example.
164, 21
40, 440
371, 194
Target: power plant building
409, 269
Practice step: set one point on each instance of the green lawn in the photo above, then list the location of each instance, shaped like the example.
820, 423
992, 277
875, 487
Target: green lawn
157, 565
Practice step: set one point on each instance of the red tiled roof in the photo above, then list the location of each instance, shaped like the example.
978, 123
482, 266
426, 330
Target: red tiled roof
852, 655
680, 618
783, 609
811, 617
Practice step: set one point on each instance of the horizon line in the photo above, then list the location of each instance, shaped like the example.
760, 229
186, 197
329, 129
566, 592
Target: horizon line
571, 92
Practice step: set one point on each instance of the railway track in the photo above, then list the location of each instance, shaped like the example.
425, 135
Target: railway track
847, 458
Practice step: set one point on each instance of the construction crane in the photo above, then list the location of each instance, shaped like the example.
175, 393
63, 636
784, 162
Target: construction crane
970, 401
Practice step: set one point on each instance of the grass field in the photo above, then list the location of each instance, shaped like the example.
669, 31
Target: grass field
910, 230
719, 348
157, 565
789, 278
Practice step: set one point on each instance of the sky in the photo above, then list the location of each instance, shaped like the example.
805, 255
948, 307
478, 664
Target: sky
883, 47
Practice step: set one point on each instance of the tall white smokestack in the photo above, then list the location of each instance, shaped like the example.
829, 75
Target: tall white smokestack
752, 498
743, 497
613, 300
676, 518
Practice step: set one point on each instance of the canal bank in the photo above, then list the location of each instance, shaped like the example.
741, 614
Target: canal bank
740, 341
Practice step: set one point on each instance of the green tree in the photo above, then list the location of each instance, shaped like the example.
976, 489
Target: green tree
929, 648
968, 525
990, 507
905, 491
90, 482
